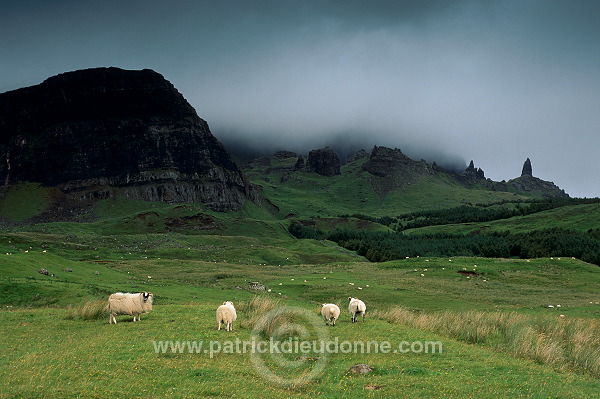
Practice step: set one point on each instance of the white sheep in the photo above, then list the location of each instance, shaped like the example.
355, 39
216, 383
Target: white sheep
356, 307
131, 304
330, 313
226, 314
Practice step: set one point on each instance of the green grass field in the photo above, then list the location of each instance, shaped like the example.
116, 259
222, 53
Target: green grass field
510, 328
46, 354
43, 355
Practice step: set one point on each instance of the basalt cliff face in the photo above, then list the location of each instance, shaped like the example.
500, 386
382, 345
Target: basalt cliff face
98, 132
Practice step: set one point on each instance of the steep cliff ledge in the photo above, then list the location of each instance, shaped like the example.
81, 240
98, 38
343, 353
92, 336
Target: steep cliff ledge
97, 132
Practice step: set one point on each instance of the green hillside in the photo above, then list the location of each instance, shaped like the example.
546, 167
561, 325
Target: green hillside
510, 326
302, 194
576, 217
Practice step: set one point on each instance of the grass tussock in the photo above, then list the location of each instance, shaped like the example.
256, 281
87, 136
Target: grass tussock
255, 309
570, 344
271, 319
91, 310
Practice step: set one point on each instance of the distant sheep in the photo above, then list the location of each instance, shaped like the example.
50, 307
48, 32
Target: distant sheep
330, 313
226, 315
356, 307
131, 304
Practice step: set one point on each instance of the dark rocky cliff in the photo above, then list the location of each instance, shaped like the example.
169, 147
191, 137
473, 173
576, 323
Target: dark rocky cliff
96, 132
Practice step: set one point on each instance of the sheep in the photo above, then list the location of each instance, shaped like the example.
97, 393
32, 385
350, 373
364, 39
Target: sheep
131, 304
356, 307
226, 314
330, 313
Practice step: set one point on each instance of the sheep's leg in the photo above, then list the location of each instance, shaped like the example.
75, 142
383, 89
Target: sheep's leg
219, 326
112, 318
363, 317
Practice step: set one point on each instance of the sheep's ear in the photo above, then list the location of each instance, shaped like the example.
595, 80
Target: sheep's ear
225, 303
349, 298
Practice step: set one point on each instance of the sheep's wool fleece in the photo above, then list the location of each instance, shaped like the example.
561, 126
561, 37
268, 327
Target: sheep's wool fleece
121, 303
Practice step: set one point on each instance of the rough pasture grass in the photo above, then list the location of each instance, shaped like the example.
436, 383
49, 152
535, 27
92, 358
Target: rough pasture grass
44, 355
565, 343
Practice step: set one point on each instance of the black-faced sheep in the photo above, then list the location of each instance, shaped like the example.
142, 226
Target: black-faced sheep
130, 304
330, 313
356, 307
226, 315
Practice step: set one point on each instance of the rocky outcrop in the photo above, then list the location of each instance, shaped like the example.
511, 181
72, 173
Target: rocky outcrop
473, 172
527, 171
324, 162
300, 163
98, 132
537, 187
529, 184
385, 161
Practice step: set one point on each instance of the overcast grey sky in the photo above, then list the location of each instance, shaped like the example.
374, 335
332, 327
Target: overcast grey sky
492, 81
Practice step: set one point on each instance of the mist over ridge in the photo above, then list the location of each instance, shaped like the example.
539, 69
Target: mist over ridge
494, 81
345, 144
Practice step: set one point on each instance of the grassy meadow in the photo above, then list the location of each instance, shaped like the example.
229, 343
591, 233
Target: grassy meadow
509, 328
54, 347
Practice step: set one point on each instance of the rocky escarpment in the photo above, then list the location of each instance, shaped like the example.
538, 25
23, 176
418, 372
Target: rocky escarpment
98, 132
390, 170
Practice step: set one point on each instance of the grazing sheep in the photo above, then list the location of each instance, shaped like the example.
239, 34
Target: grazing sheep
330, 313
356, 307
131, 304
226, 314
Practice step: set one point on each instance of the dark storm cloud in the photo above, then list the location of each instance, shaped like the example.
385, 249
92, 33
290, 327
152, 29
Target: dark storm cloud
492, 81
